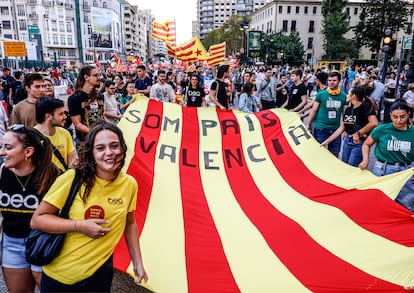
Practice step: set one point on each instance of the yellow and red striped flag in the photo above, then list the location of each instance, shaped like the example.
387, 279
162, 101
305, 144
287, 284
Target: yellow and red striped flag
164, 31
192, 50
216, 54
171, 50
237, 202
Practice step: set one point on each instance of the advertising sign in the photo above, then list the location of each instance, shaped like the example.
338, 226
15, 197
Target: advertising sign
15, 49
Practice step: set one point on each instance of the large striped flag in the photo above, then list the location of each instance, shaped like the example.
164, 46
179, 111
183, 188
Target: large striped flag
191, 51
232, 202
164, 31
216, 54
171, 50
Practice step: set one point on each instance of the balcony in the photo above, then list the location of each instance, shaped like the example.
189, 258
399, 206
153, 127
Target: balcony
86, 7
70, 18
68, 5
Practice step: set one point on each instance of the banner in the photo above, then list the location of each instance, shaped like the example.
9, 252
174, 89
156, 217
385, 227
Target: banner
254, 41
236, 202
103, 27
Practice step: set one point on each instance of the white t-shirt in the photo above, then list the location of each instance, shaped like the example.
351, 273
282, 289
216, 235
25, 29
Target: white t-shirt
409, 97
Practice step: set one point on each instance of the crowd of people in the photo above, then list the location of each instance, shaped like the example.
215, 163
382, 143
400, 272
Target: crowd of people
43, 137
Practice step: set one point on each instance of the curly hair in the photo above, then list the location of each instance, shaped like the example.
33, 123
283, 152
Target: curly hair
86, 164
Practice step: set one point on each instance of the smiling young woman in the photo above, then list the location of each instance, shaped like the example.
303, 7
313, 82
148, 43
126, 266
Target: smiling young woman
103, 211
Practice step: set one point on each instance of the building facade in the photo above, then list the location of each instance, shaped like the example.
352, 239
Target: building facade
77, 31
211, 14
305, 17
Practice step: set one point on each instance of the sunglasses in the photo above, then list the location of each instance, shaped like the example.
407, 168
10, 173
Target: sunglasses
18, 128
96, 75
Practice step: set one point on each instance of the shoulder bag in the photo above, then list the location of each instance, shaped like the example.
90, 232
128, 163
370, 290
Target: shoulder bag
42, 247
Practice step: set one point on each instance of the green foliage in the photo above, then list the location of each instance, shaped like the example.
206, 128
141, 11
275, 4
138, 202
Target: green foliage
291, 45
230, 33
376, 15
335, 26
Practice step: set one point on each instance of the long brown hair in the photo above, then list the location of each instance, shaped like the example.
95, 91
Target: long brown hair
86, 163
45, 171
80, 81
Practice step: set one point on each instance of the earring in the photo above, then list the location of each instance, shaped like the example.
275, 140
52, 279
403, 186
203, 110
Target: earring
28, 159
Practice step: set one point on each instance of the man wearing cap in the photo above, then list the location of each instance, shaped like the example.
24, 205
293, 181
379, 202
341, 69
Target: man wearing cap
218, 91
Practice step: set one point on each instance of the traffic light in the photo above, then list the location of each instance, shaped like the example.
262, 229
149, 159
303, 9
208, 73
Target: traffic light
387, 40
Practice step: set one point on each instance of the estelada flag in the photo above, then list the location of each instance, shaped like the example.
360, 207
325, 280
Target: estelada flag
216, 54
236, 202
164, 31
192, 50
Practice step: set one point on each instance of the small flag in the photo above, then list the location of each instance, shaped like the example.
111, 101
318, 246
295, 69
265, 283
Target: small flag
164, 31
216, 54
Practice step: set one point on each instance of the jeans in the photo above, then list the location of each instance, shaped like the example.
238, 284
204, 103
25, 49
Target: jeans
100, 281
406, 195
351, 151
322, 134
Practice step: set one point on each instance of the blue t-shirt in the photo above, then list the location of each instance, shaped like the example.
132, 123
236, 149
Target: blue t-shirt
142, 84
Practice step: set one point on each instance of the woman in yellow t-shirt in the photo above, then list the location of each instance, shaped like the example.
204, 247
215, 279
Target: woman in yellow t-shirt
102, 211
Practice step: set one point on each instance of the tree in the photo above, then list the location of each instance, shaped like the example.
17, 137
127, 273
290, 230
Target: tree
291, 45
335, 26
230, 33
376, 15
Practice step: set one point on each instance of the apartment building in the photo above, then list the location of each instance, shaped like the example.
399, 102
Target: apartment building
76, 31
212, 14
305, 17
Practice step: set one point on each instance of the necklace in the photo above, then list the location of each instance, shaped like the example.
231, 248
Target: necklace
25, 184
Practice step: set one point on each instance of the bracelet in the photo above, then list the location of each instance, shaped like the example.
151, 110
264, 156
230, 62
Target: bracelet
74, 226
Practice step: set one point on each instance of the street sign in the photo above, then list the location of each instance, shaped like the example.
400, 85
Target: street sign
15, 49
33, 29
407, 42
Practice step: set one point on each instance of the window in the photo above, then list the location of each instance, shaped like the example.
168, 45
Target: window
54, 26
6, 24
62, 40
55, 40
285, 26
61, 26
306, 9
70, 41
315, 9
293, 26
347, 11
20, 10
4, 11
68, 27
356, 11
312, 26
95, 4
61, 52
288, 9
104, 5
22, 25
72, 52
280, 9
297, 9
310, 43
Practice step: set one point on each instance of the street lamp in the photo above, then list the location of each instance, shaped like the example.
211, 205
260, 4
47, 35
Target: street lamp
282, 58
244, 26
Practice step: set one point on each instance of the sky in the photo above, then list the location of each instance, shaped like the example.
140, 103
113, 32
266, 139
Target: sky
184, 12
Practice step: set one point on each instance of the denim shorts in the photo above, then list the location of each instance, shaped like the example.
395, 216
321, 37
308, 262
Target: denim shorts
14, 254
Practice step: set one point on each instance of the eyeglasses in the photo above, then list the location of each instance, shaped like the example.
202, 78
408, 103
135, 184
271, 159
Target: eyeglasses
96, 75
35, 137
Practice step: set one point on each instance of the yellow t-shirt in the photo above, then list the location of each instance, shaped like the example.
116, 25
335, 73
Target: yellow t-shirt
81, 255
63, 142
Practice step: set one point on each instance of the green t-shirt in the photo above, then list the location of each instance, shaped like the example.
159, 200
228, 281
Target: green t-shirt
393, 146
330, 110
